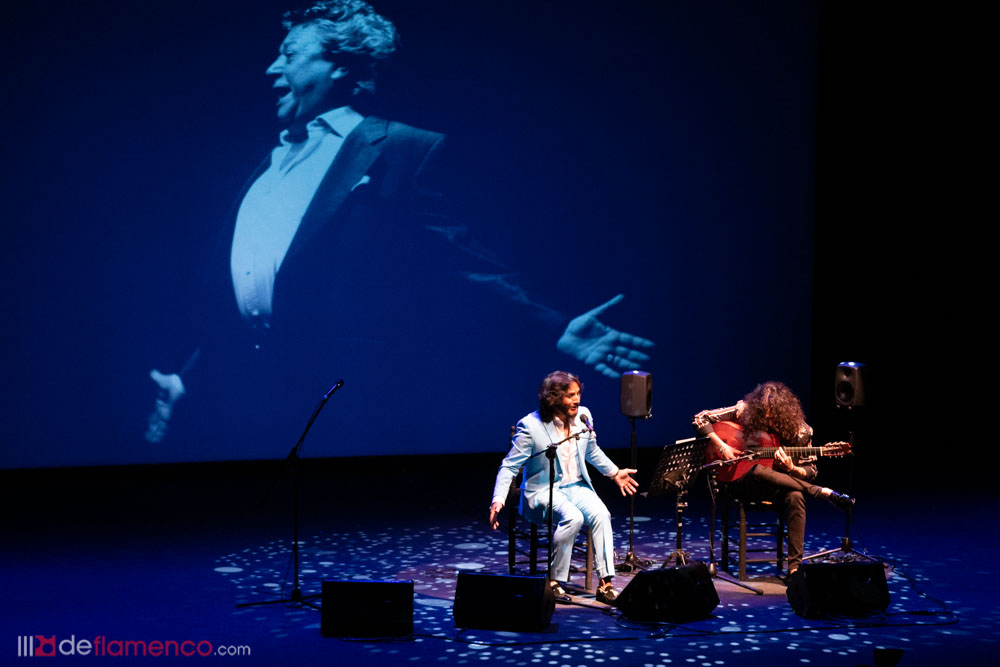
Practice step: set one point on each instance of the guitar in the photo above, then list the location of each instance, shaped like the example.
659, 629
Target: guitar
762, 452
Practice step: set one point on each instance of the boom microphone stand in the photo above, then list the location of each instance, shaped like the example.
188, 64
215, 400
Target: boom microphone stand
294, 466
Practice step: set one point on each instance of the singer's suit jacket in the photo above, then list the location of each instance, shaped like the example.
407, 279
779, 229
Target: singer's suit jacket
531, 439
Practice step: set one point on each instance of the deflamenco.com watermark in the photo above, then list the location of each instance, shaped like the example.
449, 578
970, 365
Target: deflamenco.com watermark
42, 646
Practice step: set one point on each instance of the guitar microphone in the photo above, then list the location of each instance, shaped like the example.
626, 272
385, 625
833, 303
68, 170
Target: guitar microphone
335, 387
706, 417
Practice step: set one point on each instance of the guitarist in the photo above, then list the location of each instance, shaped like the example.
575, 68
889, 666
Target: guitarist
771, 414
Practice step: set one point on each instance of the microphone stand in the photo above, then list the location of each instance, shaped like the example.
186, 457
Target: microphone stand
550, 454
294, 466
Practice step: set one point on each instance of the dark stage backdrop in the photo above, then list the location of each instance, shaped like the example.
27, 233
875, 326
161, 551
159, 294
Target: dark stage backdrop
659, 150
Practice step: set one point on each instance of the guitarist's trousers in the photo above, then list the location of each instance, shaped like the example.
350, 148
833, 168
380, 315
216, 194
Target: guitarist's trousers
788, 495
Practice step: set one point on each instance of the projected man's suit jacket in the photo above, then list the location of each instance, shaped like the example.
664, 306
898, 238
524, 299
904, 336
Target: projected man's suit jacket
371, 291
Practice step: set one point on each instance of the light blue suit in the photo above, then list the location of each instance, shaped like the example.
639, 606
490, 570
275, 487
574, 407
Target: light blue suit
573, 504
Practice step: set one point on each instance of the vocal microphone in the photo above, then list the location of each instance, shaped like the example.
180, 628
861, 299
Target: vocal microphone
335, 387
586, 422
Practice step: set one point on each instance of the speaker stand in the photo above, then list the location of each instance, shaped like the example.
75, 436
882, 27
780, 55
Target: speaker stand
631, 562
845, 552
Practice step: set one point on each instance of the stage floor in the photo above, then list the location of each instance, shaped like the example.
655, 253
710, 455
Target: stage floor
133, 555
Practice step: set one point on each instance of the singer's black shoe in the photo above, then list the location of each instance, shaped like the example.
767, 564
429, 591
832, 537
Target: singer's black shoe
840, 500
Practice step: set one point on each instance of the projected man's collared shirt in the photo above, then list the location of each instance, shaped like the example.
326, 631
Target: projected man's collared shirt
272, 210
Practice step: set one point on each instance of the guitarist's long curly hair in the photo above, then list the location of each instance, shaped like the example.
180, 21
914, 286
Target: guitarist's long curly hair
773, 408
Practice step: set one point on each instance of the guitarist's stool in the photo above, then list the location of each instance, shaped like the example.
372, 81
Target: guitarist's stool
754, 536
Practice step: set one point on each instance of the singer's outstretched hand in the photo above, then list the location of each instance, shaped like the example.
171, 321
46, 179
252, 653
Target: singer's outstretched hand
607, 350
623, 478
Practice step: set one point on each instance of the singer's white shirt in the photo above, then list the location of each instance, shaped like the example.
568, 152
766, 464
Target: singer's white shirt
569, 452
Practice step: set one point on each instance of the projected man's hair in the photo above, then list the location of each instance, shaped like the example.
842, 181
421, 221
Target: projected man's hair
551, 392
354, 35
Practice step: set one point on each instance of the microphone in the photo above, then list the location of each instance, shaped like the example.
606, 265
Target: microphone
706, 417
335, 387
586, 422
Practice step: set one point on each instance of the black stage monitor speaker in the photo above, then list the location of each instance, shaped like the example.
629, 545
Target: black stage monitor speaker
359, 608
855, 588
849, 389
675, 595
503, 602
637, 394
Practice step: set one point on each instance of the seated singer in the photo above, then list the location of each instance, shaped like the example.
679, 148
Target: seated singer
559, 417
772, 409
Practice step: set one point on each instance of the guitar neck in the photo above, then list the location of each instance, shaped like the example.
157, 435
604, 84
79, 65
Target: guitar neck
769, 452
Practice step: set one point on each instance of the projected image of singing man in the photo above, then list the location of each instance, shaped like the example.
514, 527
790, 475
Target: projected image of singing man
343, 202
561, 420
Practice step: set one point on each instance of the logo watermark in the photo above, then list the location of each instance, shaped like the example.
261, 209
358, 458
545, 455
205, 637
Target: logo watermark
42, 646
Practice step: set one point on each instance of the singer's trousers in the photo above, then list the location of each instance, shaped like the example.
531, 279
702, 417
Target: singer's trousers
572, 507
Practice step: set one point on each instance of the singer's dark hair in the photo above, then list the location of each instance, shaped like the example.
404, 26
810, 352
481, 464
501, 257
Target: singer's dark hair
551, 392
773, 408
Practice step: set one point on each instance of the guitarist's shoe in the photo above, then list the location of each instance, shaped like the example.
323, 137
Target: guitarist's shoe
840, 500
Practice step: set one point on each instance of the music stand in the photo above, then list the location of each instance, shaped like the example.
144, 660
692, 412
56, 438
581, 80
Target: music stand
677, 468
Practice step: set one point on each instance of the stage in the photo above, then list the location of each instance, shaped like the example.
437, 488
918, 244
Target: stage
166, 553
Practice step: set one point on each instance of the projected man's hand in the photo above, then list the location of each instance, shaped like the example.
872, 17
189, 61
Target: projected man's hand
607, 350
171, 389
